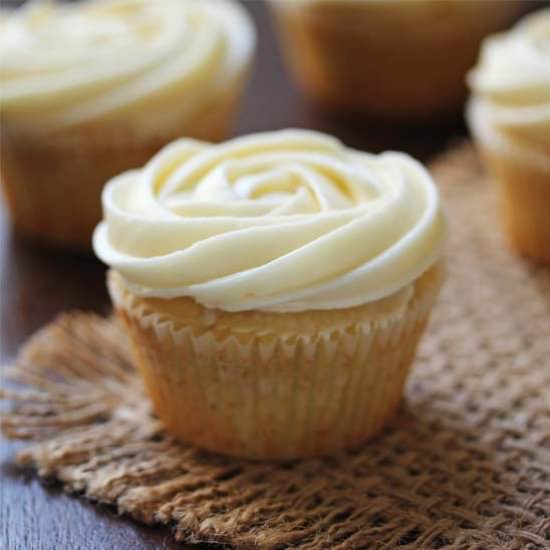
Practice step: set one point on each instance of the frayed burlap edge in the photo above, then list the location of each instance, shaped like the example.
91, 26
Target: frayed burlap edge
466, 464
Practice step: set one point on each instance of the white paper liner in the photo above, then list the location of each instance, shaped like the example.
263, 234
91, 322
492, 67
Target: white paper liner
276, 396
522, 180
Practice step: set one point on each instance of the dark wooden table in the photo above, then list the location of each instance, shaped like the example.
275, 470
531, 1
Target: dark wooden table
37, 284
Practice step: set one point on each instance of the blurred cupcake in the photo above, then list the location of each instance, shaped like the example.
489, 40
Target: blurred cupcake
509, 115
396, 59
91, 89
274, 287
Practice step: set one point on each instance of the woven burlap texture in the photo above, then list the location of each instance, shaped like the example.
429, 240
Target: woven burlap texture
466, 464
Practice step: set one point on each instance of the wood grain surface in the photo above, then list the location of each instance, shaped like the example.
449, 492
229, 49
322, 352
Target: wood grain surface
36, 284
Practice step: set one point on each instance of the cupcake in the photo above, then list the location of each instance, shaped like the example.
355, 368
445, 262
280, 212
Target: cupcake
91, 89
509, 116
274, 287
395, 59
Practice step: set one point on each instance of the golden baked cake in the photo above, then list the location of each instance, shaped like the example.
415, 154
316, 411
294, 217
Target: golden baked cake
90, 89
509, 115
274, 287
391, 59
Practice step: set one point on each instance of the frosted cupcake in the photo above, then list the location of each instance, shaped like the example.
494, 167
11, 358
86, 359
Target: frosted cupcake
509, 115
274, 287
396, 59
91, 89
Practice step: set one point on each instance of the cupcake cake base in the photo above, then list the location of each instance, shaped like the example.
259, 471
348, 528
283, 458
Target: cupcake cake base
52, 181
524, 199
522, 178
276, 386
387, 60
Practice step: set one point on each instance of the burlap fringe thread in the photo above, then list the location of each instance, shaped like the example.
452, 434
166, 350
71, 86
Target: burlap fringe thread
465, 465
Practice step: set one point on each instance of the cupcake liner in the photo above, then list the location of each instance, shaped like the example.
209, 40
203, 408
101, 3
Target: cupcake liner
522, 179
524, 201
280, 394
52, 180
384, 60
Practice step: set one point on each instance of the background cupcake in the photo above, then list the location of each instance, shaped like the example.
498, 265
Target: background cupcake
274, 287
509, 115
88, 90
396, 59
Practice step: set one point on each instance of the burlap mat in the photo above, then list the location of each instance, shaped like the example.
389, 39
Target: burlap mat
465, 465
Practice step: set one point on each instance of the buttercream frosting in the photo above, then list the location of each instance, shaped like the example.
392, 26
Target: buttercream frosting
282, 221
511, 85
137, 60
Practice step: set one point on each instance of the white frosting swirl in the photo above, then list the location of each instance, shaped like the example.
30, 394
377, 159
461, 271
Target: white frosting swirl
283, 221
511, 84
140, 60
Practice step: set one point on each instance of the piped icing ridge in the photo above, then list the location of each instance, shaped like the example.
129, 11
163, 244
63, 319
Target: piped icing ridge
66, 64
283, 221
511, 84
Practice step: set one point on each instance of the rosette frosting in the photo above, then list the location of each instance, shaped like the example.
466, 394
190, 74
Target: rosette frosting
283, 221
65, 64
511, 85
